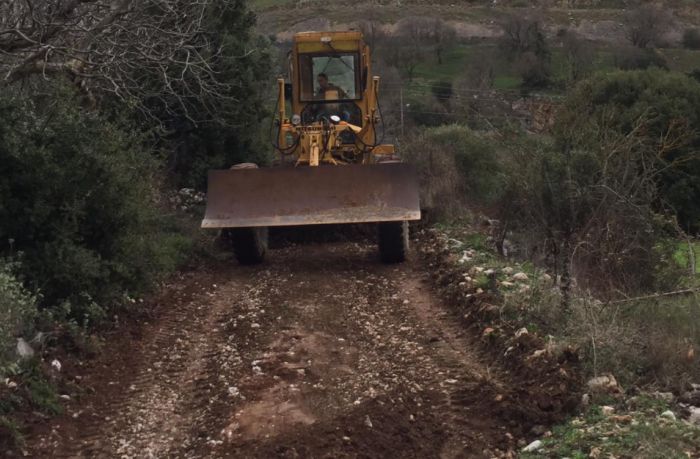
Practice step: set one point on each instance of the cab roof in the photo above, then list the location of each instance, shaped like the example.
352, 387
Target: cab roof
349, 35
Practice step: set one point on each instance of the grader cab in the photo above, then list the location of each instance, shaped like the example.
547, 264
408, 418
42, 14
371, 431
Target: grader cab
339, 172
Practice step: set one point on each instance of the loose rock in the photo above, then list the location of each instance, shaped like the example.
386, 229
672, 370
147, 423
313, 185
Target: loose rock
24, 350
604, 384
532, 447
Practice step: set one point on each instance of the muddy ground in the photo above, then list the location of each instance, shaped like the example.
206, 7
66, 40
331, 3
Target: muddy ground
319, 352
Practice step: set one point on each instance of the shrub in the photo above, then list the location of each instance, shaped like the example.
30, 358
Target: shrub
442, 91
587, 206
524, 43
691, 38
17, 312
426, 110
640, 59
669, 103
533, 70
457, 166
77, 197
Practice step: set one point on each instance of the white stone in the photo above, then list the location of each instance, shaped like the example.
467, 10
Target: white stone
606, 383
532, 447
694, 417
24, 350
520, 277
521, 332
585, 400
56, 365
668, 414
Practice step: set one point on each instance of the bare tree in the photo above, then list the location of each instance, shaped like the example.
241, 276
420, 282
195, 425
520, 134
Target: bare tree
524, 43
579, 55
415, 29
646, 25
426, 32
442, 36
404, 54
118, 47
523, 34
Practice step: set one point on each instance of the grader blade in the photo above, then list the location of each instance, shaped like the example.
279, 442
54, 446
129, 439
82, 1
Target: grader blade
311, 195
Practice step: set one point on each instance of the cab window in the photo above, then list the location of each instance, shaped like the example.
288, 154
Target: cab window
326, 77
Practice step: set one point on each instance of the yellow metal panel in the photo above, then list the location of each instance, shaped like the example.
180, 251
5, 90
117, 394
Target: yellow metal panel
335, 36
318, 47
383, 150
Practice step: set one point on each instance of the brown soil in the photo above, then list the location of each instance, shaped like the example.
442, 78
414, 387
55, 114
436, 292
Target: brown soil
320, 352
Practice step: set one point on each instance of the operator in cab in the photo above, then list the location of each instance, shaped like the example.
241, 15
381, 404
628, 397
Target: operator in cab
326, 88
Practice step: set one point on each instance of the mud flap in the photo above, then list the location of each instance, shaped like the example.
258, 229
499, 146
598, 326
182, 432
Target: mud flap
311, 195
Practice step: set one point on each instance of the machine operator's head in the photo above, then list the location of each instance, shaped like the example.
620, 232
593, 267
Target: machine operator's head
322, 81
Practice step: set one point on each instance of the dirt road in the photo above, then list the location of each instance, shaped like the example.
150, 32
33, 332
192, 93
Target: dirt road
319, 352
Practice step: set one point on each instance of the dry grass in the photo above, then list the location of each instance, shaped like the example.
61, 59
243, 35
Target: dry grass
647, 342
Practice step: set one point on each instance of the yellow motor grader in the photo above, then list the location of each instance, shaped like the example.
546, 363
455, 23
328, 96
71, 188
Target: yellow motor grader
337, 169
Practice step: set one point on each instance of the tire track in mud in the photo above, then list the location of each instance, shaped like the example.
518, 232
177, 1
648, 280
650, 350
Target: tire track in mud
144, 418
319, 352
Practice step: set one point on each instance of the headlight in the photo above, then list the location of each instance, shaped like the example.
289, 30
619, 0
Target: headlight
296, 119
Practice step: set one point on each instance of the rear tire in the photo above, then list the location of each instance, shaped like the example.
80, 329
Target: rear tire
393, 241
249, 244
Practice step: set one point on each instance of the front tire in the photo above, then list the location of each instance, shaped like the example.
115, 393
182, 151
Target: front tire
393, 241
249, 244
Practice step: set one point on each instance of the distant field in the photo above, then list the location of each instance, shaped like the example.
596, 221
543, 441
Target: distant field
276, 16
457, 60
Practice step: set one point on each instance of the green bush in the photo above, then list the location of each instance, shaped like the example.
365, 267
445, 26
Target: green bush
663, 110
236, 130
17, 312
476, 160
640, 59
691, 38
442, 91
426, 110
77, 197
457, 166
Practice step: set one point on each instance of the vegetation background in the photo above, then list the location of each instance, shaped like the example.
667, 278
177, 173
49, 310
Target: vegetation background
573, 125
